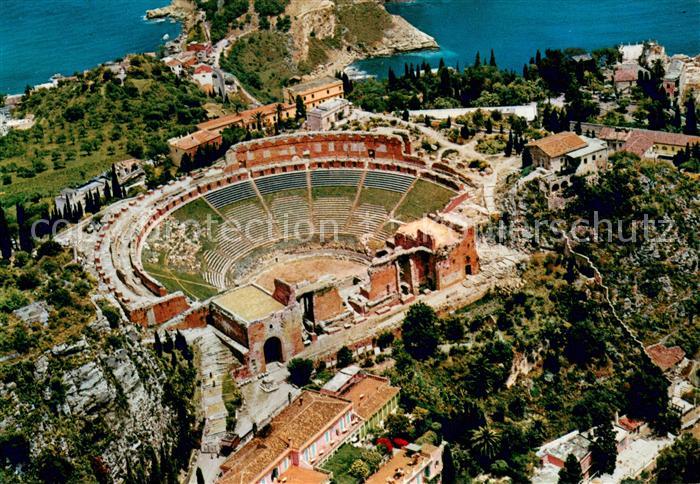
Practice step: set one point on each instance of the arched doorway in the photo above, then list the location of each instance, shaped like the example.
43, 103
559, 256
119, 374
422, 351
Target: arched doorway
273, 350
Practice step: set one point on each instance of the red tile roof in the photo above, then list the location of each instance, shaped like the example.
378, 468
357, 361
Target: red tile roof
638, 143
307, 416
629, 424
626, 75
639, 140
369, 395
665, 357
203, 68
559, 144
198, 138
247, 116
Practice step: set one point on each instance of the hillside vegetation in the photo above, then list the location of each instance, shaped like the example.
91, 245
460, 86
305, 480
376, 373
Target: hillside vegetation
84, 126
262, 62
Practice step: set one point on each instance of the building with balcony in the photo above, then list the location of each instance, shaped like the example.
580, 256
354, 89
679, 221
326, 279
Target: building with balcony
297, 440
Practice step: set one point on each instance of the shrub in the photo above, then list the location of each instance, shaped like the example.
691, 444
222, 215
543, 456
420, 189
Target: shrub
344, 357
359, 469
300, 370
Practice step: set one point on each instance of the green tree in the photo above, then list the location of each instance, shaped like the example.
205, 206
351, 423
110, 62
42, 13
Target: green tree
344, 357
604, 449
5, 237
420, 332
571, 473
486, 441
300, 370
301, 108
679, 462
360, 469
691, 116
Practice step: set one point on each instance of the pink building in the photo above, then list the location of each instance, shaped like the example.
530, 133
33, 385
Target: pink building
306, 432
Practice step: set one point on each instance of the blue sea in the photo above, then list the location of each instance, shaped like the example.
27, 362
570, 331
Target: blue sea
41, 38
515, 29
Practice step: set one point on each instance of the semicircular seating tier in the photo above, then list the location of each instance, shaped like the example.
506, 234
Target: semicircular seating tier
342, 190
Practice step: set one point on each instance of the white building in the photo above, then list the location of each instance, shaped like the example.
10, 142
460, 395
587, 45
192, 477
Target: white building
324, 116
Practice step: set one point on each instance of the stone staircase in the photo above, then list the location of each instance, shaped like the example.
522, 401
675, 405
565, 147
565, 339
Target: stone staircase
216, 361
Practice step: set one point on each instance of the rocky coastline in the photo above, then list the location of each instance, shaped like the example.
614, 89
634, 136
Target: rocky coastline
182, 10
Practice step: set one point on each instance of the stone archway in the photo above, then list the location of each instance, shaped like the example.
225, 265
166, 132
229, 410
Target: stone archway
273, 350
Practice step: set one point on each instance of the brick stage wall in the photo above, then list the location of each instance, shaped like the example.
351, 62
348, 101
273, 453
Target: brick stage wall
159, 312
327, 304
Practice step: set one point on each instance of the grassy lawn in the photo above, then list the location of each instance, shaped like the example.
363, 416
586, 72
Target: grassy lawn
262, 62
424, 197
191, 284
334, 192
383, 198
340, 464
198, 211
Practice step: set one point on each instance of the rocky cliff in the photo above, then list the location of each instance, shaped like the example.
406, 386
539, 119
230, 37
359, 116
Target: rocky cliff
103, 407
349, 30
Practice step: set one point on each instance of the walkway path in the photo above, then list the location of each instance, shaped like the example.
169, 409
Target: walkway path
215, 361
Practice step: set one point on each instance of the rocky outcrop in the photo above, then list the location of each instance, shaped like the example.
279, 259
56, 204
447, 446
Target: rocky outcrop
178, 9
402, 37
87, 389
107, 381
318, 19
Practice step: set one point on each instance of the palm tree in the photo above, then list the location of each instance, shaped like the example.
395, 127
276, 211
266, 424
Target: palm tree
279, 111
258, 120
486, 441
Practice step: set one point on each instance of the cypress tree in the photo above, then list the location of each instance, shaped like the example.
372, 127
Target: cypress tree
116, 187
155, 476
107, 192
477, 60
492, 60
200, 476
604, 449
391, 81
5, 237
691, 116
168, 344
571, 473
509, 144
25, 237
301, 108
157, 345
677, 121
449, 473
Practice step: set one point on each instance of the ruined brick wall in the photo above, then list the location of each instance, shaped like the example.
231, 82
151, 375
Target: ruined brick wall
283, 292
383, 281
160, 311
285, 325
229, 326
195, 318
452, 267
284, 149
327, 304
